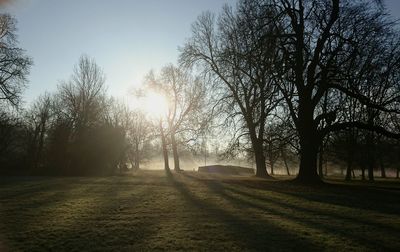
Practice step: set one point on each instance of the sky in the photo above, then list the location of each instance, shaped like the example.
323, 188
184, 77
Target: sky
127, 38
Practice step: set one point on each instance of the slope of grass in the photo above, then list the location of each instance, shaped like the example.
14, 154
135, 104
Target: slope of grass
191, 211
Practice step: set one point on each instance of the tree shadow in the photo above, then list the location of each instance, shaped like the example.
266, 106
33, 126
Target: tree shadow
301, 215
90, 214
362, 197
256, 235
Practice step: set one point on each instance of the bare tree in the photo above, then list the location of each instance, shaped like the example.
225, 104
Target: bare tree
230, 51
38, 121
14, 64
321, 43
83, 106
83, 94
11, 132
184, 93
136, 129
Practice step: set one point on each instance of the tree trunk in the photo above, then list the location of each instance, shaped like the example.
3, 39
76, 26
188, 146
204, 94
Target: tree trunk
349, 169
164, 148
308, 165
175, 151
261, 168
370, 155
350, 158
309, 144
285, 162
137, 161
321, 161
258, 147
382, 165
326, 167
272, 167
39, 151
363, 172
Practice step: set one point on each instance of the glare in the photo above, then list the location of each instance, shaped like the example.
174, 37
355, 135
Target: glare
155, 105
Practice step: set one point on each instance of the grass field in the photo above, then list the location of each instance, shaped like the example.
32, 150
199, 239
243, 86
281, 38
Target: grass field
192, 211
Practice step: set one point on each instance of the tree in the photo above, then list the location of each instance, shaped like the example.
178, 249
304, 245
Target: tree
239, 64
12, 142
184, 94
14, 64
138, 136
84, 138
136, 129
84, 95
322, 42
38, 121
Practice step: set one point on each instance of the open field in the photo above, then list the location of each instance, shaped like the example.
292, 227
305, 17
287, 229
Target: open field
191, 211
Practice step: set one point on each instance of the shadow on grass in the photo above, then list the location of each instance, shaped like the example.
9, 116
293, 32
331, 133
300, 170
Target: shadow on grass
260, 235
307, 217
362, 197
367, 196
77, 214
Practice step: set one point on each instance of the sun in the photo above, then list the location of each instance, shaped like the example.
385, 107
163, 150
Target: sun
155, 105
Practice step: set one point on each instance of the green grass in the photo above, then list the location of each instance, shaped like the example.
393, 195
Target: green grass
191, 211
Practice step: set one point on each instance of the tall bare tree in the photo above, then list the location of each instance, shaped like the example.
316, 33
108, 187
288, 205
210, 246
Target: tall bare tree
38, 121
14, 64
323, 41
184, 94
230, 51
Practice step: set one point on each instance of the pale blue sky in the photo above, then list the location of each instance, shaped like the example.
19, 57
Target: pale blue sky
126, 37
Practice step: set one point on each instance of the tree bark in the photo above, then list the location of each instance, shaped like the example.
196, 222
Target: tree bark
261, 168
382, 165
350, 156
164, 148
370, 155
285, 162
272, 167
363, 172
137, 159
321, 161
309, 143
258, 147
175, 151
308, 164
349, 166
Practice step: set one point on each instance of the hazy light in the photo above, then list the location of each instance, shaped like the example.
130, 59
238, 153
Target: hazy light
154, 105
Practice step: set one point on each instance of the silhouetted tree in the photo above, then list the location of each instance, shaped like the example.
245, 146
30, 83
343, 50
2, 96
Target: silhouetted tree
14, 64
12, 142
184, 94
239, 63
324, 41
136, 128
83, 139
38, 121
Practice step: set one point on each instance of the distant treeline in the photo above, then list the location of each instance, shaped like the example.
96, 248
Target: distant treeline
76, 131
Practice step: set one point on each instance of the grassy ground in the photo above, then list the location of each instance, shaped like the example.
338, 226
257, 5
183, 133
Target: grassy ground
191, 211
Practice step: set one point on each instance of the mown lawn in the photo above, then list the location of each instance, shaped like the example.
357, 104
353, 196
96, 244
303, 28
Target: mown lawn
191, 211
